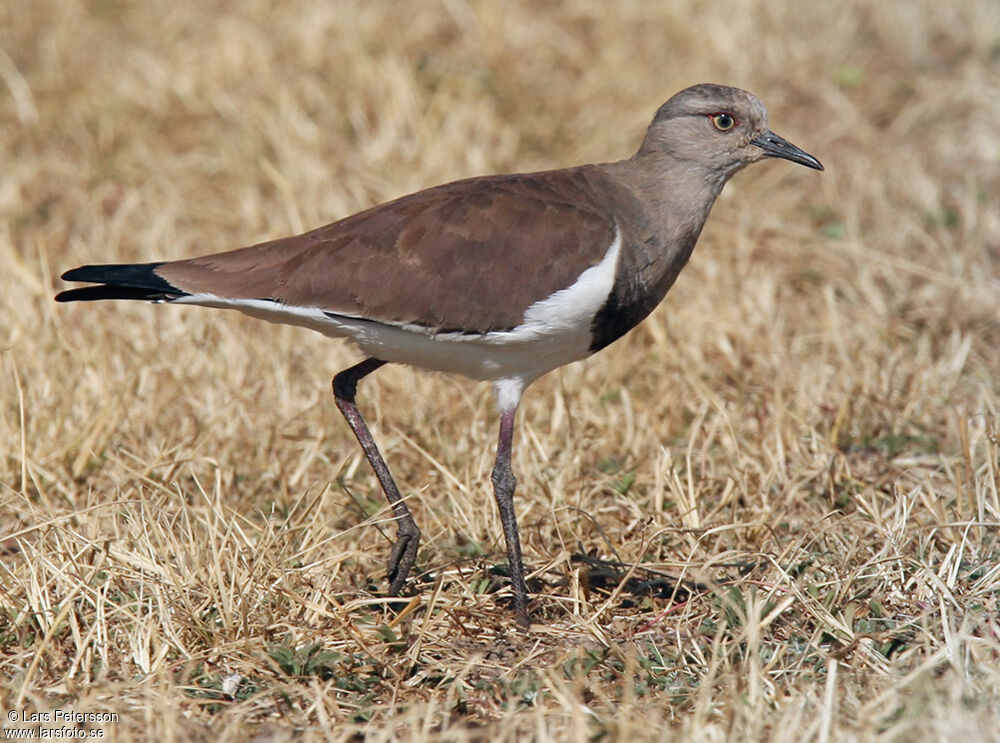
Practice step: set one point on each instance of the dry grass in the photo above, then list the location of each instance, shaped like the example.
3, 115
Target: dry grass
807, 429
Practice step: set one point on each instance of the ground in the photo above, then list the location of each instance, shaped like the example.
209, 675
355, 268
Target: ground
768, 513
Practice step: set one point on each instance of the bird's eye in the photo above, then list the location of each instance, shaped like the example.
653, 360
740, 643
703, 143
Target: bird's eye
723, 122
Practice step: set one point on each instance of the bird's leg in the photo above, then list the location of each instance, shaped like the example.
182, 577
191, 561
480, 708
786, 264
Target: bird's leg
504, 483
404, 549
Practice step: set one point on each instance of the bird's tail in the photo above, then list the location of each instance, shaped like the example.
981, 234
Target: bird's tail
119, 281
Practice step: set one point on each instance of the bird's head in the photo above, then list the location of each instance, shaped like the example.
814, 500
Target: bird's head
718, 129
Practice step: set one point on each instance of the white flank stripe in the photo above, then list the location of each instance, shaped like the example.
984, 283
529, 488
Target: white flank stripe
555, 331
572, 309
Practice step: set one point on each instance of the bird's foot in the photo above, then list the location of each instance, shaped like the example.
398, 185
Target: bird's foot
402, 557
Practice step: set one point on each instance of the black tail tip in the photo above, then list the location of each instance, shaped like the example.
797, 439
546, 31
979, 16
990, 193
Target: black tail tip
118, 281
110, 291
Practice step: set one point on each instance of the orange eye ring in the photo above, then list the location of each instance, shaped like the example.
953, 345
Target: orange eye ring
723, 121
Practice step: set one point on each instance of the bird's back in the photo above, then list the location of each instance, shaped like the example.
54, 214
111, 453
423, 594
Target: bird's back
420, 259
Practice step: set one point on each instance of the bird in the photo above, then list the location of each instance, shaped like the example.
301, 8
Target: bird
498, 278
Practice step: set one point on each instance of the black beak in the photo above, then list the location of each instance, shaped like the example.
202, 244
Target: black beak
775, 146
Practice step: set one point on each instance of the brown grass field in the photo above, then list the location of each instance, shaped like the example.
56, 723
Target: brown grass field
769, 513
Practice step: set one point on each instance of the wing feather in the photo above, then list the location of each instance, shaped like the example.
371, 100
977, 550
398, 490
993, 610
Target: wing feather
441, 258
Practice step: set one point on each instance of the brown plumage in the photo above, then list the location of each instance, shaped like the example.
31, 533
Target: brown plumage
501, 278
423, 259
